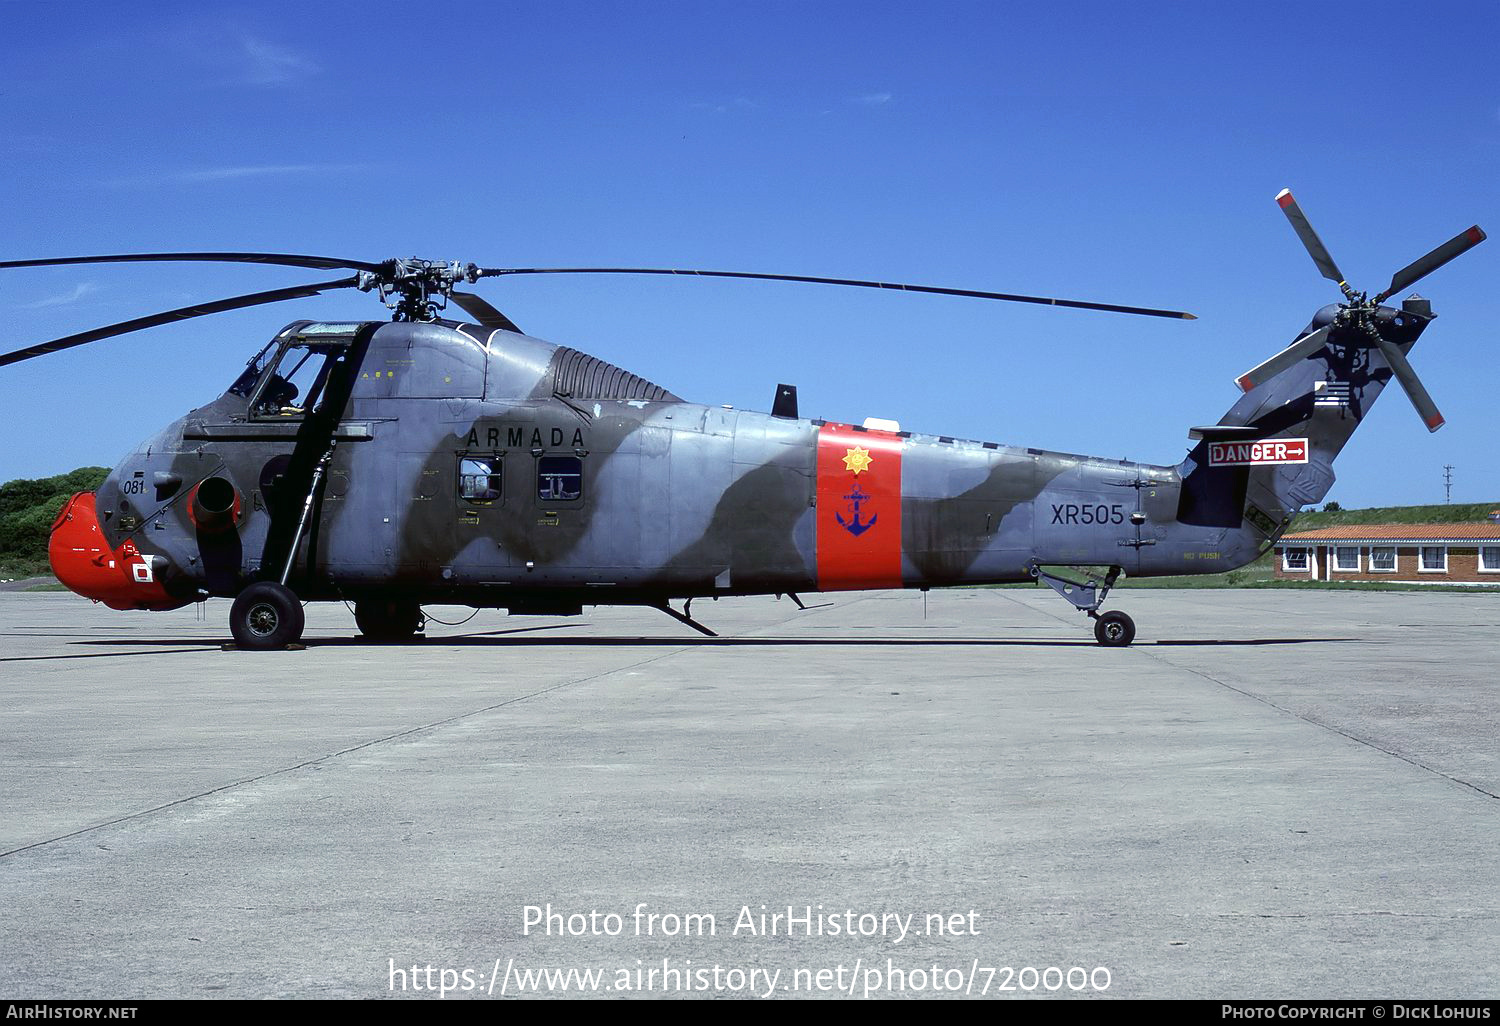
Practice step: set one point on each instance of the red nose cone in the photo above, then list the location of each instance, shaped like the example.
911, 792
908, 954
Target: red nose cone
82, 560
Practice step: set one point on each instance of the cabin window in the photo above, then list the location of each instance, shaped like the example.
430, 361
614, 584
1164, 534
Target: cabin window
1434, 559
479, 479
1489, 559
1294, 560
1383, 559
559, 478
1346, 558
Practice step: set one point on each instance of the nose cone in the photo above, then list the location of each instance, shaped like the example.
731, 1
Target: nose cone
83, 560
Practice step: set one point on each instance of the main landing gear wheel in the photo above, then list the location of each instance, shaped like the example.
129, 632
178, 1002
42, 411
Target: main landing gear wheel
266, 616
381, 620
1114, 629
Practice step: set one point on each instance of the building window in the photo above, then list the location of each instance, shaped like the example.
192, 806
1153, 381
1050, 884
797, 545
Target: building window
1434, 559
479, 479
1489, 559
559, 478
1346, 558
1383, 559
1294, 560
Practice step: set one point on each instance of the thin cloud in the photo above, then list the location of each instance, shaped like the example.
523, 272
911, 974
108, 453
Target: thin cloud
873, 99
239, 172
208, 53
222, 174
738, 103
268, 64
64, 298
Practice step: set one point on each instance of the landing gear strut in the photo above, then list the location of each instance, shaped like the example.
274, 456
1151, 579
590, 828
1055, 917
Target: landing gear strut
1112, 629
268, 615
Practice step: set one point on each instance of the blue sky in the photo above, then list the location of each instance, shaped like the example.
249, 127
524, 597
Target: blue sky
1100, 151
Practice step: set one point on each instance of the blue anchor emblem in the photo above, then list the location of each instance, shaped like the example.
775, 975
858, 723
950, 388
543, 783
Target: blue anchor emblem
852, 525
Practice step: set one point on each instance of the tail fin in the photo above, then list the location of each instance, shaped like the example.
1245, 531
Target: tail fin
1239, 471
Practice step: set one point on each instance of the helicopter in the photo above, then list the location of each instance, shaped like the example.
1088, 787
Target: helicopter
421, 460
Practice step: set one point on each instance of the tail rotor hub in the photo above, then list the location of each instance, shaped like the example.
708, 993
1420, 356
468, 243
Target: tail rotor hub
1357, 319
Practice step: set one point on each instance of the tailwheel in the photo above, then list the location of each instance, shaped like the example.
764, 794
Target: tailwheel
266, 616
1114, 629
387, 620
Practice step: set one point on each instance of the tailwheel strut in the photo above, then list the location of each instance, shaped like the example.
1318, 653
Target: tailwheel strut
1113, 629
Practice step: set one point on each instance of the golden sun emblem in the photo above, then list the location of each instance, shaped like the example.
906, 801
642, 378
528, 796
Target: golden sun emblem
857, 459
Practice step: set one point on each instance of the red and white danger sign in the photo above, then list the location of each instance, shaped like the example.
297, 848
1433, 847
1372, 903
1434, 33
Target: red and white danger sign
1254, 454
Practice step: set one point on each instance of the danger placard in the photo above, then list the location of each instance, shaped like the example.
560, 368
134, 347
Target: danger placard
1256, 454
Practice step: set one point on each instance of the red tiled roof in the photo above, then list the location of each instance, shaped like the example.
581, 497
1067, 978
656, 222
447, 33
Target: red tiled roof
1399, 532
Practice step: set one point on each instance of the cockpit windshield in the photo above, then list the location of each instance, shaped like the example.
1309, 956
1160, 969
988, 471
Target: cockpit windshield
245, 383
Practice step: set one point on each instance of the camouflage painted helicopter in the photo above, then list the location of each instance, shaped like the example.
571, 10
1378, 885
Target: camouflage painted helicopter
424, 460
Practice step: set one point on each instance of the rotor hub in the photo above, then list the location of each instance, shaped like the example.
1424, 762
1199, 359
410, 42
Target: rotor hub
415, 289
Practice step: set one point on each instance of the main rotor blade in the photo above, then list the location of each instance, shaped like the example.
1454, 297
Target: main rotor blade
491, 272
283, 259
1304, 230
168, 316
1426, 408
1421, 268
485, 314
1291, 355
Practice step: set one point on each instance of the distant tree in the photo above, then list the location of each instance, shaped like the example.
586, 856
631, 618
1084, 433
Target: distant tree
1333, 507
28, 508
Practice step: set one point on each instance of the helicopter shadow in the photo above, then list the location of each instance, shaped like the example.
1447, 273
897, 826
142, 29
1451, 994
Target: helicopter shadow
507, 638
639, 641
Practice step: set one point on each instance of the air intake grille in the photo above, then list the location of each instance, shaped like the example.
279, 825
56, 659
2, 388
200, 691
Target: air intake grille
583, 376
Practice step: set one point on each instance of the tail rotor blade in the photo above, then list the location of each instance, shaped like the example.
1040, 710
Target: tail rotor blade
169, 316
1315, 247
1426, 408
1421, 268
1288, 357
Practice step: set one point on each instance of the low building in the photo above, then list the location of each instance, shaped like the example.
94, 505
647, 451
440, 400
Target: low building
1414, 553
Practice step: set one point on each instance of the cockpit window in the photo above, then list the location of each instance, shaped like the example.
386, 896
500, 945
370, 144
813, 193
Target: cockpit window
294, 383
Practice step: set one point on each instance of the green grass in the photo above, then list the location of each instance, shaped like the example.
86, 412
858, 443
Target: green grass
1451, 513
16, 569
1254, 575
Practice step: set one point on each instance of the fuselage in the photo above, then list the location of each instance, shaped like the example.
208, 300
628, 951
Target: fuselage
494, 469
